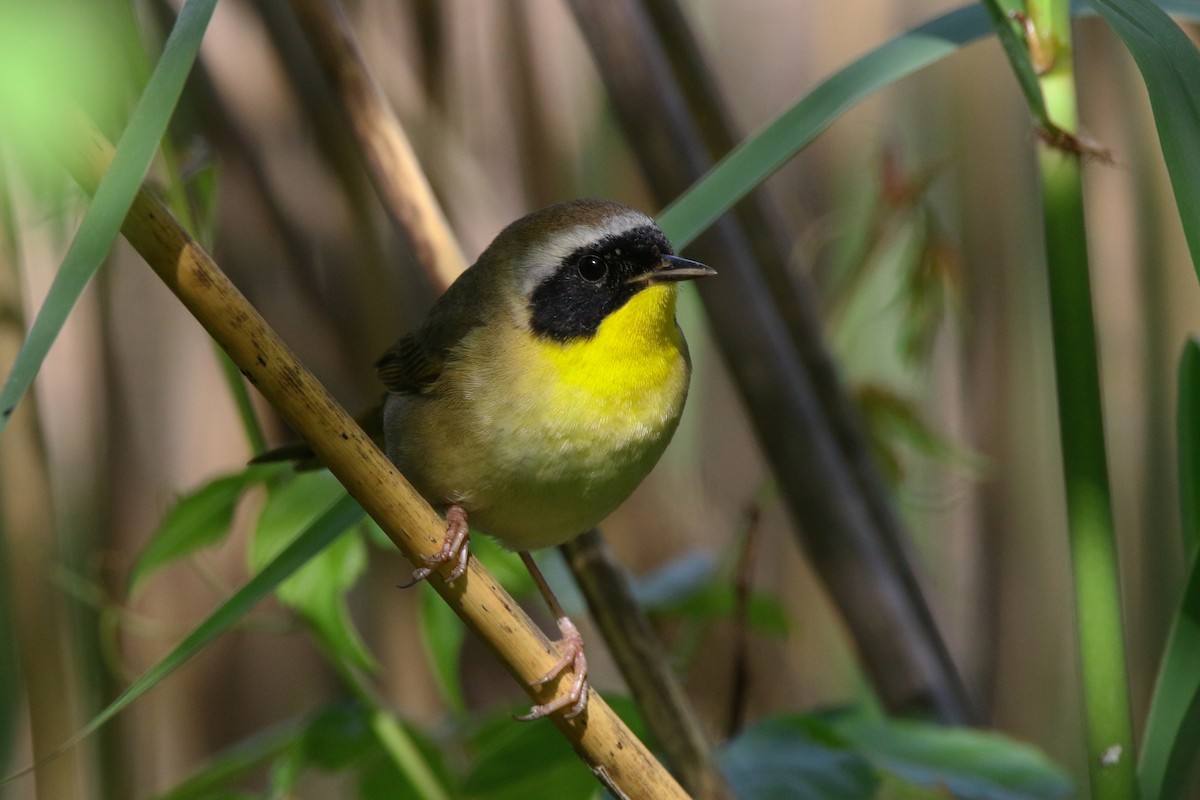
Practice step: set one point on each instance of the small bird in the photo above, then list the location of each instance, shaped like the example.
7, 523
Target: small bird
541, 389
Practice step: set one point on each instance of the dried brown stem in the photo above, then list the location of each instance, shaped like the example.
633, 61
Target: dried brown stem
643, 663
852, 536
743, 585
613, 753
37, 612
394, 170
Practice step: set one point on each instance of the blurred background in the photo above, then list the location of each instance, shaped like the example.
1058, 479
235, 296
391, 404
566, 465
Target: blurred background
916, 215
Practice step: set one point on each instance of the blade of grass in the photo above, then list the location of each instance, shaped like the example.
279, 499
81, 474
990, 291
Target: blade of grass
1170, 67
1017, 51
199, 519
238, 759
765, 151
397, 743
1172, 738
344, 513
340, 516
1187, 415
241, 398
1090, 526
113, 198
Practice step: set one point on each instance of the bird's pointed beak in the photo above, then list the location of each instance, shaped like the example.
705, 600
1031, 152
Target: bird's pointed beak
674, 268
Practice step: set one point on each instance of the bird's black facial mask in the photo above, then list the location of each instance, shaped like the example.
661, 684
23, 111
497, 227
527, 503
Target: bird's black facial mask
595, 281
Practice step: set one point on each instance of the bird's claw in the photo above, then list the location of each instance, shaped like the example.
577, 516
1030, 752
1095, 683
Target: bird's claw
454, 550
570, 648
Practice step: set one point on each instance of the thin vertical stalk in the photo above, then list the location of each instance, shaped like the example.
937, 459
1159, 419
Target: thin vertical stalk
640, 656
397, 744
855, 543
45, 650
1109, 732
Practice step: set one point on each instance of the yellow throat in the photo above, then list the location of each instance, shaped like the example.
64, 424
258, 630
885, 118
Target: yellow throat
636, 356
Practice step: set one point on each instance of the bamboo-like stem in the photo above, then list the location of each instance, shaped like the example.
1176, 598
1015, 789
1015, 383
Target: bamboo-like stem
600, 738
1109, 730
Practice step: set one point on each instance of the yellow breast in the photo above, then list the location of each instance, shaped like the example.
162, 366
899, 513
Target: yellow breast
634, 370
539, 439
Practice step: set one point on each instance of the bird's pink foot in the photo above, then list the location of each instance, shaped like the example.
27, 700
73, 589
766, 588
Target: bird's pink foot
454, 550
570, 647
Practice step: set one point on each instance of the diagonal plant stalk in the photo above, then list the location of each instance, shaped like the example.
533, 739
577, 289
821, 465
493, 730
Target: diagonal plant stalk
392, 166
640, 656
1109, 731
395, 741
100, 223
39, 658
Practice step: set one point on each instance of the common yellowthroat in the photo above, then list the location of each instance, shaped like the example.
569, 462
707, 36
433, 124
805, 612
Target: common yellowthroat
542, 388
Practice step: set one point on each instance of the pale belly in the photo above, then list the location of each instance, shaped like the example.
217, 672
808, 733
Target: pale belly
534, 461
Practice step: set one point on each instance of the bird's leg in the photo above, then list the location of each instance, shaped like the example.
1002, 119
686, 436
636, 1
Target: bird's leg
570, 648
454, 549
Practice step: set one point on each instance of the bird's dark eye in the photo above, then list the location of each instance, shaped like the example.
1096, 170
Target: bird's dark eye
592, 268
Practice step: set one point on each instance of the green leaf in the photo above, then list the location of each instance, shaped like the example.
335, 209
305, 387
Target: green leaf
323, 531
717, 600
509, 759
409, 766
339, 736
200, 519
1017, 51
235, 762
1172, 738
383, 780
963, 763
318, 590
442, 635
753, 161
505, 565
112, 200
285, 773
769, 148
516, 762
1170, 67
795, 756
1187, 418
